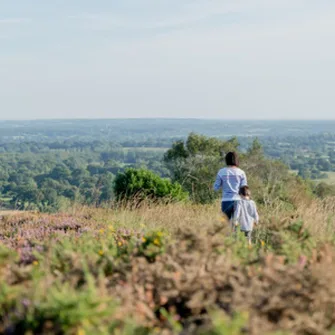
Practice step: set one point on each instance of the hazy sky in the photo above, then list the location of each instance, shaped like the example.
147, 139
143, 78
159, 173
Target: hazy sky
169, 58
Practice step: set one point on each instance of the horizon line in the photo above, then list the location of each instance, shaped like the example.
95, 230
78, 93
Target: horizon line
159, 118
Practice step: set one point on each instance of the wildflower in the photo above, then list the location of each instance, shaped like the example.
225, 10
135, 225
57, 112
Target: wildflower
101, 252
159, 234
262, 243
101, 231
156, 241
26, 302
302, 261
111, 228
119, 243
35, 263
142, 225
144, 239
81, 331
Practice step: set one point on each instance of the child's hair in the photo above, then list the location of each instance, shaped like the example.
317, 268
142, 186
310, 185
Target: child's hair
245, 191
232, 159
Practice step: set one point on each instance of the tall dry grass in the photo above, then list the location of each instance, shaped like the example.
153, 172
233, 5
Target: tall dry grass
170, 217
318, 216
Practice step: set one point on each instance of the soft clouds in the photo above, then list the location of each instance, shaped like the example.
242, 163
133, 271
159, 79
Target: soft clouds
234, 59
14, 20
174, 14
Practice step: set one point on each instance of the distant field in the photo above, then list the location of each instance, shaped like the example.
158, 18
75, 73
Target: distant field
141, 149
330, 180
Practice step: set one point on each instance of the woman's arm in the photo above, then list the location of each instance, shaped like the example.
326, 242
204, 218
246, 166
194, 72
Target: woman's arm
244, 181
218, 183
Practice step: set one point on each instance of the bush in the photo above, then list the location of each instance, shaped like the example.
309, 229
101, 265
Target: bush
324, 190
140, 184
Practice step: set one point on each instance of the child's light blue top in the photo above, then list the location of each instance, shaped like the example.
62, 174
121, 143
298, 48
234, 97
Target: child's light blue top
246, 214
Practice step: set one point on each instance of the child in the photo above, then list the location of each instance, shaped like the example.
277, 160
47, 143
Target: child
246, 213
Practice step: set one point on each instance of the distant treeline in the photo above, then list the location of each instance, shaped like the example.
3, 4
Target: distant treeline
140, 130
46, 164
311, 155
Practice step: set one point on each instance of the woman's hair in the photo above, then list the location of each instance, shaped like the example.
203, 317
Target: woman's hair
245, 191
232, 159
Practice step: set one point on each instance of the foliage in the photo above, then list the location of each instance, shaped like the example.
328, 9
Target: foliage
51, 181
222, 324
140, 184
54, 165
195, 163
323, 190
152, 245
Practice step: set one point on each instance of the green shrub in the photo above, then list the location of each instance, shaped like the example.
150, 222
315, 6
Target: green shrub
152, 245
223, 324
140, 184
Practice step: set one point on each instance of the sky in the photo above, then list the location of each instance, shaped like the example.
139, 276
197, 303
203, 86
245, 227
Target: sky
222, 59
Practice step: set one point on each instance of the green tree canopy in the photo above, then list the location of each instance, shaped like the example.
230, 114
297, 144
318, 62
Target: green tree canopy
194, 164
139, 184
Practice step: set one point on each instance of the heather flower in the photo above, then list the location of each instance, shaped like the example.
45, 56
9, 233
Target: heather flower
26, 302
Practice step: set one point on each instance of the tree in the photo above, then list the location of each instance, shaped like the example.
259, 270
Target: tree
256, 148
106, 187
139, 184
304, 173
195, 163
60, 172
27, 196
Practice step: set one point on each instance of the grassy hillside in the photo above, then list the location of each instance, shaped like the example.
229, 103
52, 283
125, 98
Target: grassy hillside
171, 269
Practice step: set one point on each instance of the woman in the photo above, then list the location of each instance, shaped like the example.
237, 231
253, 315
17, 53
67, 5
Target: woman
230, 179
